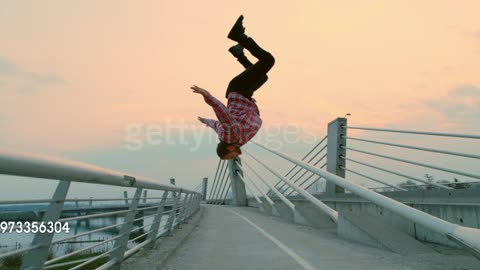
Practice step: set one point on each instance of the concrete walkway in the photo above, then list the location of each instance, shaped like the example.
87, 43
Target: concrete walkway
244, 238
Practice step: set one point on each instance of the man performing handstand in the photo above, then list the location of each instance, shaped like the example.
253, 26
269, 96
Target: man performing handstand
240, 120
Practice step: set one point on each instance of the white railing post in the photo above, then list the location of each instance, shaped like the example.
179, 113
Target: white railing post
120, 246
171, 218
35, 258
239, 193
188, 206
336, 139
152, 236
197, 203
183, 210
191, 204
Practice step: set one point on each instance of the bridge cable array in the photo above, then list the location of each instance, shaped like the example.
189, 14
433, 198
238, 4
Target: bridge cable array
288, 191
221, 184
428, 182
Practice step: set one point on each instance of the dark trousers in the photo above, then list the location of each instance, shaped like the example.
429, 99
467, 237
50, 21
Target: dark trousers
254, 75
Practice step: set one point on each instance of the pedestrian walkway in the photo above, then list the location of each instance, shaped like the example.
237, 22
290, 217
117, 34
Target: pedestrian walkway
244, 238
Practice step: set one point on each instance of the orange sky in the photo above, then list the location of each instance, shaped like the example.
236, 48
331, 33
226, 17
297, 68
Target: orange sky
84, 70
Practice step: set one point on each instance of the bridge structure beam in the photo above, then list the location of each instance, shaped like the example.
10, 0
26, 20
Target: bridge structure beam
239, 193
204, 188
335, 153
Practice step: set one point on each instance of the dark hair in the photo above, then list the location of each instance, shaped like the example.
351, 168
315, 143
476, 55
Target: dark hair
222, 149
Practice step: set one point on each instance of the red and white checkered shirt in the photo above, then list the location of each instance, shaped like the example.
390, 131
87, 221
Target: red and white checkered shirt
238, 122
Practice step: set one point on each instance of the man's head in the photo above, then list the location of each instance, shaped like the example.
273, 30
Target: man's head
228, 150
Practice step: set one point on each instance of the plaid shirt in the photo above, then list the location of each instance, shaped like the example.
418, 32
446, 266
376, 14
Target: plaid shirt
238, 122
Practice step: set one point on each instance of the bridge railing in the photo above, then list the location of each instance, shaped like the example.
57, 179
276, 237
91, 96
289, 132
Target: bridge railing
141, 226
438, 155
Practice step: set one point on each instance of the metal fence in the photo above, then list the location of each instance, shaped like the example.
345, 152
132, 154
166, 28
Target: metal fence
142, 218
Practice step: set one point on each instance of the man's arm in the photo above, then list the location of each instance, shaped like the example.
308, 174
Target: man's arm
223, 115
214, 124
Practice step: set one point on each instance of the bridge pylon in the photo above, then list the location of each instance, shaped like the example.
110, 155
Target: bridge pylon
239, 193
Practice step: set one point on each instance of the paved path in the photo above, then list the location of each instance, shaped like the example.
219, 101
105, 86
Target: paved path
244, 238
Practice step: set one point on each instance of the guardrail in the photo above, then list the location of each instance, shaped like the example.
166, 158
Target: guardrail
182, 203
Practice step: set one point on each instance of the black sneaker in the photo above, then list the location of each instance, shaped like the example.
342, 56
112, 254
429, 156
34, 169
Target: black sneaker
237, 32
236, 50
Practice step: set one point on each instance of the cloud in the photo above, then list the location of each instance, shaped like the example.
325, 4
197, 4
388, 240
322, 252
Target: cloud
7, 68
466, 91
25, 79
462, 105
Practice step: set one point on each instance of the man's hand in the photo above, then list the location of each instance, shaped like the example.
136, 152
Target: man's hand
200, 91
203, 120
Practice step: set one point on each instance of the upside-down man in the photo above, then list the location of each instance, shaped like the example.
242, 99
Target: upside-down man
240, 120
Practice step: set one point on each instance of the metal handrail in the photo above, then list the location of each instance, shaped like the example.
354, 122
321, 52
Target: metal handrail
93, 216
468, 136
38, 166
464, 236
70, 200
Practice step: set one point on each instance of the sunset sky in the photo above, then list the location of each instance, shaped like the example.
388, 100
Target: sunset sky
76, 76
